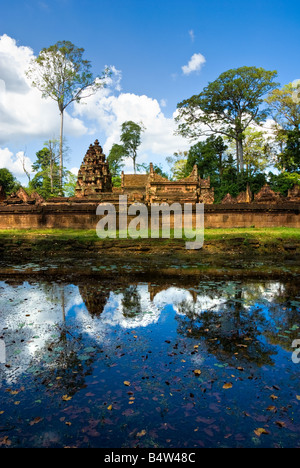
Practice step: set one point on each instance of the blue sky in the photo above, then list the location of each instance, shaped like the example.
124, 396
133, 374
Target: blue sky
148, 42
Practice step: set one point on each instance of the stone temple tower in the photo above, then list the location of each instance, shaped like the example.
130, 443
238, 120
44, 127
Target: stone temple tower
93, 176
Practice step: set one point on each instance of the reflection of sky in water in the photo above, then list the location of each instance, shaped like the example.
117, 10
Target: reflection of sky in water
36, 310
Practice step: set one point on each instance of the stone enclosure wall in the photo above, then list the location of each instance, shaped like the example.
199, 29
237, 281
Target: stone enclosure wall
94, 186
83, 216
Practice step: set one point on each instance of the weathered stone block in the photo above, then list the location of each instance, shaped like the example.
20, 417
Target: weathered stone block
228, 200
294, 194
267, 195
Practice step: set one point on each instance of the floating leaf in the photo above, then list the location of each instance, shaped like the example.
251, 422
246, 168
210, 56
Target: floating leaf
5, 441
280, 423
89, 349
66, 398
35, 421
260, 431
84, 357
227, 385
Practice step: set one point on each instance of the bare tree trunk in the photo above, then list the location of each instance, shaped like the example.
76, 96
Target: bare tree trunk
241, 155
24, 167
63, 307
134, 163
237, 155
61, 164
51, 171
51, 152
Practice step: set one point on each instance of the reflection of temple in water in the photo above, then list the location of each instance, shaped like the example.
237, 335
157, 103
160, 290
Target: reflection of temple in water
95, 296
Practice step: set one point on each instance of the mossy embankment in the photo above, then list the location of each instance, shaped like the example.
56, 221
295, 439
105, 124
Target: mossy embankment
226, 252
232, 241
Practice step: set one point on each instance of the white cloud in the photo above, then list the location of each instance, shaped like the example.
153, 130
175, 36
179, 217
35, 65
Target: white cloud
74, 170
111, 111
14, 163
195, 64
192, 35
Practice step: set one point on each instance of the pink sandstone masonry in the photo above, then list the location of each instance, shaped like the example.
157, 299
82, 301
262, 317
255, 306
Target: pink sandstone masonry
264, 209
83, 216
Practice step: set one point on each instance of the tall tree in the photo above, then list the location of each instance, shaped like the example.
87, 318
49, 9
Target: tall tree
115, 160
131, 139
61, 73
227, 106
257, 151
285, 107
46, 178
53, 161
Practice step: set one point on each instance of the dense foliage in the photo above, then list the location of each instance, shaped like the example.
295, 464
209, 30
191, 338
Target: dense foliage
8, 181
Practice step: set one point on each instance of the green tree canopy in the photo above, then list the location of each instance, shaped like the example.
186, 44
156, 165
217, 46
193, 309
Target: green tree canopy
8, 181
115, 159
131, 139
227, 106
289, 158
46, 180
283, 182
285, 107
208, 155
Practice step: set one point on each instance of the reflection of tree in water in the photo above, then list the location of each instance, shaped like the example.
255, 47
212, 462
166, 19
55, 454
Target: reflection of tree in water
131, 302
228, 330
66, 362
63, 368
284, 311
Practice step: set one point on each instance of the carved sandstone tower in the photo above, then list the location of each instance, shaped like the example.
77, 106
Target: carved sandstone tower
93, 177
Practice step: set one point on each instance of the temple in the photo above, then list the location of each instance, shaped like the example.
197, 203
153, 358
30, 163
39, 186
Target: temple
94, 181
22, 210
93, 176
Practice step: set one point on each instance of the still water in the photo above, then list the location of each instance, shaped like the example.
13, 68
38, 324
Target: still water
108, 364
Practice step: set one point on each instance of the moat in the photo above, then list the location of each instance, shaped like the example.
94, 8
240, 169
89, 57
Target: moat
105, 358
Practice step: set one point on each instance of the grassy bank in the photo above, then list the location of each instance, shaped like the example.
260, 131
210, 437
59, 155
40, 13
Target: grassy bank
267, 253
260, 234
234, 242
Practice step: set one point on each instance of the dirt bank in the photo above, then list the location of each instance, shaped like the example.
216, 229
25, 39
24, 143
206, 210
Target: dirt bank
231, 256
